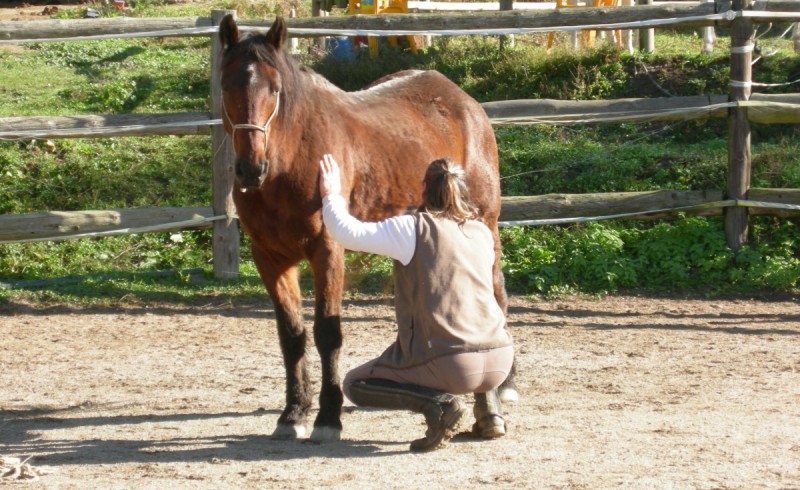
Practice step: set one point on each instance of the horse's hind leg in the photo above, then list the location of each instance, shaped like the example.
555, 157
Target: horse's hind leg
328, 264
281, 282
499, 281
508, 390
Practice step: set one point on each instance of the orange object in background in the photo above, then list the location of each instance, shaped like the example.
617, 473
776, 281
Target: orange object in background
588, 36
375, 7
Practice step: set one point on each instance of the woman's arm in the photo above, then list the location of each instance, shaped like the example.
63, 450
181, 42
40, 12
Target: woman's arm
395, 237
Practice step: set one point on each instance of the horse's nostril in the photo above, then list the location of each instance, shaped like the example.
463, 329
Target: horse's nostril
238, 170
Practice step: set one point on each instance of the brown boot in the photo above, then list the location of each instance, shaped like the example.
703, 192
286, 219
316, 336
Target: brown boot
442, 411
489, 422
442, 420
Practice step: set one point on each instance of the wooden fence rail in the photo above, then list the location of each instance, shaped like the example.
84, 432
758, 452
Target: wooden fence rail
755, 108
92, 126
763, 109
695, 14
60, 225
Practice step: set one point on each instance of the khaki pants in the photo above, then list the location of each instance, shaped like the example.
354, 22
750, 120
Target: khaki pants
458, 374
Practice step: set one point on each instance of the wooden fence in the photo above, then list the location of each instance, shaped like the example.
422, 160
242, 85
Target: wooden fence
739, 107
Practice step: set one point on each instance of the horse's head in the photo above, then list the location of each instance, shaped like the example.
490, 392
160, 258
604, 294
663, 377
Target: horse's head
251, 96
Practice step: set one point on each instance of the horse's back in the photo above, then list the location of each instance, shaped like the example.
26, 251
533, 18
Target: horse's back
433, 97
444, 121
411, 84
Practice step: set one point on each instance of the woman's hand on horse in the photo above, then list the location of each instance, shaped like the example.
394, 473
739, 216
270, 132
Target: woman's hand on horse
330, 180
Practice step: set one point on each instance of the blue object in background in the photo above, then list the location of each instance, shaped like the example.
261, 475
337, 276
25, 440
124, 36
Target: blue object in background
342, 48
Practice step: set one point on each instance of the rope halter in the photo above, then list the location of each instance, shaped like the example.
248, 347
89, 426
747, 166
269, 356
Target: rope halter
263, 128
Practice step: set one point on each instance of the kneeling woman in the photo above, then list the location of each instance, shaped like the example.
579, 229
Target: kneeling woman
451, 336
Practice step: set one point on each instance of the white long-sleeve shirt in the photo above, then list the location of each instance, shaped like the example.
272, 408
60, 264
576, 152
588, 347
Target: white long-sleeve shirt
395, 237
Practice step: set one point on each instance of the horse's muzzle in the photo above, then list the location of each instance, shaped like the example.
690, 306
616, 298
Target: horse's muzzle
250, 175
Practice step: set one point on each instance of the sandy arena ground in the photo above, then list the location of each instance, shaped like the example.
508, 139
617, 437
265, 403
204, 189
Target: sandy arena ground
622, 392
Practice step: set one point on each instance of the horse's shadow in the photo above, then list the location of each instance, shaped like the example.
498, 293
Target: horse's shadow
20, 435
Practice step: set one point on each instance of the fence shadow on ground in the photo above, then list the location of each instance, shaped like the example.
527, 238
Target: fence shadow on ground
693, 321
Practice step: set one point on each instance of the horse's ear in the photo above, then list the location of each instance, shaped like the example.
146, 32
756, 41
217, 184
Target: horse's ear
278, 33
228, 32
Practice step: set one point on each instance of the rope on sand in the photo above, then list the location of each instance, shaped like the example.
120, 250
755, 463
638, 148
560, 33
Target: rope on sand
17, 469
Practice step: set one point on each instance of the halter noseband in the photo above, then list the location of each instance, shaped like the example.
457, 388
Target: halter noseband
263, 128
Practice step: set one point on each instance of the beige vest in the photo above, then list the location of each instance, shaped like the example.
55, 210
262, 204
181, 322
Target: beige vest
444, 298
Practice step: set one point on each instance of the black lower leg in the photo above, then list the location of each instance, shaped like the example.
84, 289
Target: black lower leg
298, 394
328, 338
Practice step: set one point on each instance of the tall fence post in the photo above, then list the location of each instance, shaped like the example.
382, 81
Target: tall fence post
226, 231
647, 37
739, 156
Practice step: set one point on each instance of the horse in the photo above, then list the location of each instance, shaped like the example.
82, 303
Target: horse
281, 118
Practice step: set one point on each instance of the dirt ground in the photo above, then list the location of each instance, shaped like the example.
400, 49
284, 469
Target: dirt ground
618, 392
24, 11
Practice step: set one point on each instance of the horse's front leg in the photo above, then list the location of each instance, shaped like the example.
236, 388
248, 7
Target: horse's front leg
280, 278
327, 262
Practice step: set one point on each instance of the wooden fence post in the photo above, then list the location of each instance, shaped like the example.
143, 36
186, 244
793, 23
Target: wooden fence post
736, 223
796, 37
647, 42
507, 41
626, 35
293, 41
318, 11
709, 36
575, 36
428, 38
226, 231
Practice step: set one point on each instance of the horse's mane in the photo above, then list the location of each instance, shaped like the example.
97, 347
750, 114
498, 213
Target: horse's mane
256, 48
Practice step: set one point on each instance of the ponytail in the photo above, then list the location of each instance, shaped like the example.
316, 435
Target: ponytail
446, 194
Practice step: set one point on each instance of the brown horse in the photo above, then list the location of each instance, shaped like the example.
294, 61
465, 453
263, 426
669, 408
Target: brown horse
281, 119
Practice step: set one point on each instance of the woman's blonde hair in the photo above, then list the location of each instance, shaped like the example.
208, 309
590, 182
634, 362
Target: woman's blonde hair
446, 194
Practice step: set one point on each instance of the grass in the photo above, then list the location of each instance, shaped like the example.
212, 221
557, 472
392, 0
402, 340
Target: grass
171, 75
105, 77
160, 8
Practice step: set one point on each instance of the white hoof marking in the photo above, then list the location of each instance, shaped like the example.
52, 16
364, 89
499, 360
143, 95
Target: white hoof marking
320, 434
509, 395
289, 432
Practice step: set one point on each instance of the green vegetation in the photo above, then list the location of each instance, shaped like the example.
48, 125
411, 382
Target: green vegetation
171, 75
246, 9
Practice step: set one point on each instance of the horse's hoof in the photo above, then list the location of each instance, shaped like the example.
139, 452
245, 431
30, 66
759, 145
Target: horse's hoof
509, 395
323, 433
289, 432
